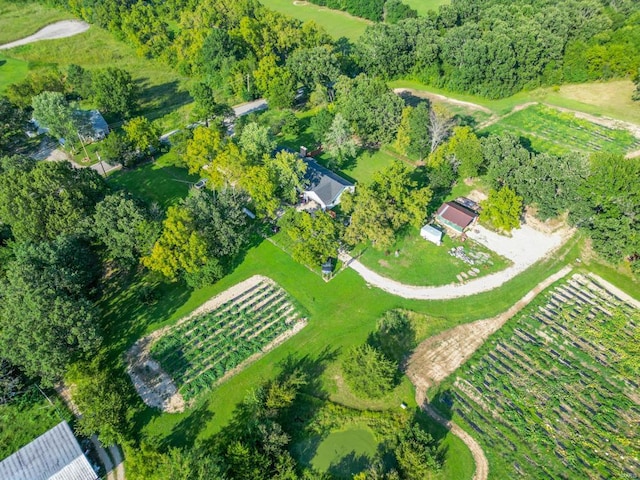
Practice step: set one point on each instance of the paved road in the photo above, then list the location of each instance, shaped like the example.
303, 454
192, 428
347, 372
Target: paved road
65, 28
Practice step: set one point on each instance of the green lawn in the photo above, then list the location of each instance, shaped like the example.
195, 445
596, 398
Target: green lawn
27, 417
344, 453
337, 24
161, 181
162, 90
20, 19
556, 132
424, 6
420, 262
11, 71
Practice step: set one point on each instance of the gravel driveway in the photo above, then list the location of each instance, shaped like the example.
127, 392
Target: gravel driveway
65, 28
525, 247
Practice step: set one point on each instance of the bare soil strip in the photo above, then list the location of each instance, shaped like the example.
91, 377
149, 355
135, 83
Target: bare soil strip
438, 357
63, 29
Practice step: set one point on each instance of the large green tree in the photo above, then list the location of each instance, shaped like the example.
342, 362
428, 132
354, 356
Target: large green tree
45, 320
609, 206
370, 107
390, 202
417, 454
368, 372
47, 199
339, 142
502, 209
52, 111
115, 91
316, 236
124, 227
13, 125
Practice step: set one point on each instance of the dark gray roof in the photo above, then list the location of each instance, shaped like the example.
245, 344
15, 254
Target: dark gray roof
326, 184
54, 455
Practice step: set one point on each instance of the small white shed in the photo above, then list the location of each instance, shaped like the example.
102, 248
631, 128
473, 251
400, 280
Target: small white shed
432, 234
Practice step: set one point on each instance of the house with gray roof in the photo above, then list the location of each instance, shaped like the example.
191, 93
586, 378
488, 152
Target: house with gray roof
324, 186
54, 455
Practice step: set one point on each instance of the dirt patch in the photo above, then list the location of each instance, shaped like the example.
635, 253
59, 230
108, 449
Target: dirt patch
384, 263
442, 98
63, 29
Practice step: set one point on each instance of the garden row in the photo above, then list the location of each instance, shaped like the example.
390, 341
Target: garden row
554, 394
555, 132
200, 351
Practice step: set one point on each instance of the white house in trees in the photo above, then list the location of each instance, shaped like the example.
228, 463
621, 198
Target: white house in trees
324, 186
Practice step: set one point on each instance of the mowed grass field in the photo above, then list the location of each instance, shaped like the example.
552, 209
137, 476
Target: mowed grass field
20, 19
337, 24
162, 90
11, 71
420, 262
553, 131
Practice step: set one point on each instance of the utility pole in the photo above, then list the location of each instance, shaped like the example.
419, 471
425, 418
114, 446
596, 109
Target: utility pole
104, 173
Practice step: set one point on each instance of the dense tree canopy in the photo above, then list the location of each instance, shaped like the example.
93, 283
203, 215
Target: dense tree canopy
45, 199
315, 237
46, 322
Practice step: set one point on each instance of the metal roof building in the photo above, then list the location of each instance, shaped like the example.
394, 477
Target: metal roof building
54, 455
324, 186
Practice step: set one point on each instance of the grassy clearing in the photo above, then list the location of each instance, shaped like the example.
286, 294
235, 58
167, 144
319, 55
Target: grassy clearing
162, 181
424, 6
21, 19
553, 392
27, 417
337, 24
344, 453
200, 351
162, 90
610, 99
556, 132
420, 262
11, 71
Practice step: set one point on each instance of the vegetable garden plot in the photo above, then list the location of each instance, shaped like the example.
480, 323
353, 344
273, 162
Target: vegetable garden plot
556, 132
554, 393
216, 341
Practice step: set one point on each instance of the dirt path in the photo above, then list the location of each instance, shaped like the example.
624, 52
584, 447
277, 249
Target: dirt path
65, 28
442, 98
438, 357
113, 472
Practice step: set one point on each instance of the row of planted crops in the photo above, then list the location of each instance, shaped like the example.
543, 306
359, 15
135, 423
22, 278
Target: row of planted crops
555, 394
198, 352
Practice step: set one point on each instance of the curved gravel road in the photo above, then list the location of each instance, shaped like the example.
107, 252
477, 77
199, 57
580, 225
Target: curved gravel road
525, 247
62, 29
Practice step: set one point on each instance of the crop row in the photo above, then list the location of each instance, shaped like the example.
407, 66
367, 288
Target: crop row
553, 394
198, 352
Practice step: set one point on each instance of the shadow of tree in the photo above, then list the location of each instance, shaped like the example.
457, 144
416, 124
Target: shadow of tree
186, 431
349, 465
158, 100
413, 100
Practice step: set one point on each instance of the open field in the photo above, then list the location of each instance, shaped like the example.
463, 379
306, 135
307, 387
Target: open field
337, 24
161, 181
609, 99
201, 350
424, 6
11, 71
21, 19
162, 90
420, 262
344, 453
556, 132
554, 392
27, 417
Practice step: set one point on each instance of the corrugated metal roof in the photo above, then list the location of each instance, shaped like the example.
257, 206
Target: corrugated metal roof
456, 214
54, 455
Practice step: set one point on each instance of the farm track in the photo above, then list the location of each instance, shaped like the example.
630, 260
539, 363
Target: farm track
437, 357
